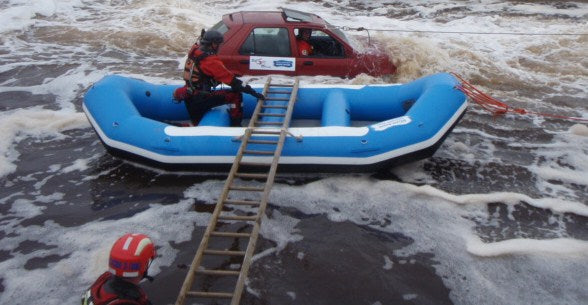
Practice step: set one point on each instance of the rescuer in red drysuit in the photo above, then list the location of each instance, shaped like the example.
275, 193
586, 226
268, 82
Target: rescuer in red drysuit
203, 71
130, 258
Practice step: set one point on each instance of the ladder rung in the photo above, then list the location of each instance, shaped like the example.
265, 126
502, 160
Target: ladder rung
246, 188
254, 164
259, 152
261, 131
250, 175
280, 115
229, 234
262, 142
236, 217
206, 294
275, 107
270, 123
224, 252
279, 92
281, 85
277, 99
241, 202
217, 272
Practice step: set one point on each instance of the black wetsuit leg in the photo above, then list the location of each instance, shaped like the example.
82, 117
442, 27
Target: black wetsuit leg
199, 104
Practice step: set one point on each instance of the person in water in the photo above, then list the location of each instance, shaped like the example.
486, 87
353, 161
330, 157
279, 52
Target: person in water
130, 258
203, 71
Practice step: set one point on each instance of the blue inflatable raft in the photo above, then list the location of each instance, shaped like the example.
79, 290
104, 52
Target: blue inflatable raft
348, 128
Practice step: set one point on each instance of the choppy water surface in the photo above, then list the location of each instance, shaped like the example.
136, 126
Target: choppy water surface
498, 216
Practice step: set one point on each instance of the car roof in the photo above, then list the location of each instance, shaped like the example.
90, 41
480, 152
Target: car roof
286, 16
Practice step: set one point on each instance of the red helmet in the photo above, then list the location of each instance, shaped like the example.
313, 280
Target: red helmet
131, 256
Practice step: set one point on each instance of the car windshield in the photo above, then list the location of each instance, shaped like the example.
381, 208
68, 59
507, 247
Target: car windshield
351, 40
337, 31
221, 27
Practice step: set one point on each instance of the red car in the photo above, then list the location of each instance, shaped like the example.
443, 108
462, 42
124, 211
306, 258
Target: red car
261, 43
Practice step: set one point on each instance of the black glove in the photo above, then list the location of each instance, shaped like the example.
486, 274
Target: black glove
253, 93
237, 86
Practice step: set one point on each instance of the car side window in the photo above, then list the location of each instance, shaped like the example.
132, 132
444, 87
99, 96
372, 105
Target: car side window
267, 42
324, 45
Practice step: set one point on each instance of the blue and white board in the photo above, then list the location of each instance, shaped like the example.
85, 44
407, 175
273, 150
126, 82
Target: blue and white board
272, 63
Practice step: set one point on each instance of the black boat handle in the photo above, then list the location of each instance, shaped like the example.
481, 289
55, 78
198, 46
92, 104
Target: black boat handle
243, 61
308, 63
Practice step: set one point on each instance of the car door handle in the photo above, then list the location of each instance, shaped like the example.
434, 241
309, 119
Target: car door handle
308, 63
243, 61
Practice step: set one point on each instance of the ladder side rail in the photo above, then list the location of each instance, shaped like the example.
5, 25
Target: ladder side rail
269, 183
187, 285
278, 152
236, 295
189, 280
291, 103
259, 105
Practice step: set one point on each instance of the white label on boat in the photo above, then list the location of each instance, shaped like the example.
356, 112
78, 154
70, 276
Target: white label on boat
272, 63
403, 120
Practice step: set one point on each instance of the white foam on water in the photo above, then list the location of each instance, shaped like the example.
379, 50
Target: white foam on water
566, 160
280, 229
57, 196
440, 229
504, 272
21, 14
24, 208
388, 263
548, 9
291, 294
511, 198
526, 246
34, 122
579, 129
439, 223
82, 253
78, 165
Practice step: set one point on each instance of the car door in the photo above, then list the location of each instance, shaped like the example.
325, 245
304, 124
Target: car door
329, 56
266, 50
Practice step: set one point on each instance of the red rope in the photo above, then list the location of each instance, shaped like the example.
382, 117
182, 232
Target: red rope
497, 107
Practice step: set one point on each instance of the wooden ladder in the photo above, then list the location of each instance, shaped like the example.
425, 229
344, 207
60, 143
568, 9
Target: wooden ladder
252, 175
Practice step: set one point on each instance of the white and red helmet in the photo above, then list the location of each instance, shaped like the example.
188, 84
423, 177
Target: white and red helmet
131, 256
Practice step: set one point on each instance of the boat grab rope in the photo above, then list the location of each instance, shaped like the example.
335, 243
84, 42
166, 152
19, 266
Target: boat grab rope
497, 107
